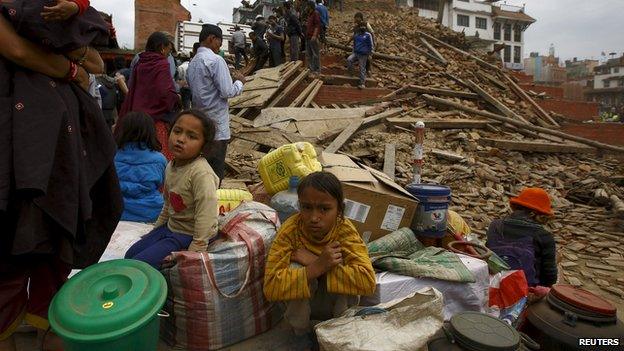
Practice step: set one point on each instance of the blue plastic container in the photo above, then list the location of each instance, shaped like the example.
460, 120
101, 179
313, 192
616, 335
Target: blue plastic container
286, 202
430, 217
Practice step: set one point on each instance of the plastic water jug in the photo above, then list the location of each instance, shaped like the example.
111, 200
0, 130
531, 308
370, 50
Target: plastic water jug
276, 167
286, 202
229, 199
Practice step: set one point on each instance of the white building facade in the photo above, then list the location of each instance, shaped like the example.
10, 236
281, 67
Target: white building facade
497, 26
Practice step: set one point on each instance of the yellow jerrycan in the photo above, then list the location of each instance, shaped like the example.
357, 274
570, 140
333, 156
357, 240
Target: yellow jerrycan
276, 167
229, 199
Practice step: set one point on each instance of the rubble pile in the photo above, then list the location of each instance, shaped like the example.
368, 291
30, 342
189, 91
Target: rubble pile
486, 138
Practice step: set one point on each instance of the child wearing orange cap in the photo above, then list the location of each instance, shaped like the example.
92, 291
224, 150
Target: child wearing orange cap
521, 239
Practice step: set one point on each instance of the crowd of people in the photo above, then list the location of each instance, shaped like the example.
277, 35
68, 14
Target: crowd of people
66, 180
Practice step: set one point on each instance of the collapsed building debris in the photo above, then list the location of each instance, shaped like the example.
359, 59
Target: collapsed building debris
486, 138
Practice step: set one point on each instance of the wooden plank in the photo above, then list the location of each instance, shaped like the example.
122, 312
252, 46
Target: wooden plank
245, 99
441, 91
286, 91
315, 105
343, 137
346, 133
423, 52
494, 102
312, 95
447, 155
302, 96
442, 123
550, 131
492, 80
535, 146
433, 50
278, 114
390, 160
523, 95
334, 79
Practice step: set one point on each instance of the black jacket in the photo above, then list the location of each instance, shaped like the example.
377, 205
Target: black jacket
519, 224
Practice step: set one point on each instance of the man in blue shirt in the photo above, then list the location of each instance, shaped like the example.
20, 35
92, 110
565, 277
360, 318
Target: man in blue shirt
275, 37
362, 47
209, 78
324, 14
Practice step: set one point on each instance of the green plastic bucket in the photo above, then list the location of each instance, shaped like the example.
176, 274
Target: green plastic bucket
113, 305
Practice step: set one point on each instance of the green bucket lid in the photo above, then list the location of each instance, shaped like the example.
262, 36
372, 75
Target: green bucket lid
479, 331
107, 300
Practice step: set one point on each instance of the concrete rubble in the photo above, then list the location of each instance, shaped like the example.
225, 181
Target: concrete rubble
486, 138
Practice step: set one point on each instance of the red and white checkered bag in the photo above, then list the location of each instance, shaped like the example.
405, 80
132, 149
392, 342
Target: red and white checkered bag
215, 298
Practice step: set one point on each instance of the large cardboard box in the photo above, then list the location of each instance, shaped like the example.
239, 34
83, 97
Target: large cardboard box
373, 202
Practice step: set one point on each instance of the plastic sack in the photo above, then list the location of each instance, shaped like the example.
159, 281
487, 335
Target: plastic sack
508, 295
215, 298
407, 325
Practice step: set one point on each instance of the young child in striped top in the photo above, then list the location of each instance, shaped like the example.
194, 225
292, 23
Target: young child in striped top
318, 258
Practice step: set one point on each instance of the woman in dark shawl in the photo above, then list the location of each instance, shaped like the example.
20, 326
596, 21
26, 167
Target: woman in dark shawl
151, 88
59, 194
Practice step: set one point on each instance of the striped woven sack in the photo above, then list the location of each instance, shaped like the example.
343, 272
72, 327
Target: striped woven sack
215, 298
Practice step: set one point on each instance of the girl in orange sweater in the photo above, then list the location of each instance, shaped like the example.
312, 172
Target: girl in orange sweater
318, 258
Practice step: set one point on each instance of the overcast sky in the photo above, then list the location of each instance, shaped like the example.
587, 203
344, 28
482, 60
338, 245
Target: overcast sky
577, 28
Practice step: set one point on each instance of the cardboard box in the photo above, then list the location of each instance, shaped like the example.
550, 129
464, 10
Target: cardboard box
373, 202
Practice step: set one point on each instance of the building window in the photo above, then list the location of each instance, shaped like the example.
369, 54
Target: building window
463, 20
426, 4
517, 34
606, 83
464, 0
616, 70
517, 54
481, 23
497, 30
507, 55
507, 32
622, 83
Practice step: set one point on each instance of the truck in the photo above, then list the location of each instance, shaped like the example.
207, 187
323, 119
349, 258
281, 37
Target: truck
187, 34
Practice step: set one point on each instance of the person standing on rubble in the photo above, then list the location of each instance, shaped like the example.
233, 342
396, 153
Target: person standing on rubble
318, 259
260, 51
521, 239
359, 21
293, 30
240, 52
313, 31
211, 86
362, 48
324, 15
275, 36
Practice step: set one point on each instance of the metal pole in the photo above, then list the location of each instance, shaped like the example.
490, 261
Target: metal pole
419, 152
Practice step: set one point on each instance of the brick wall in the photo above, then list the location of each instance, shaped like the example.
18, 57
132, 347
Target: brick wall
156, 15
575, 110
553, 92
522, 77
610, 133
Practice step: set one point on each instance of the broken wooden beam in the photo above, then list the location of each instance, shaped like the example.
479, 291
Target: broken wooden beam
447, 155
524, 96
439, 101
335, 79
494, 102
442, 123
304, 94
286, 91
312, 94
535, 146
433, 50
390, 160
458, 50
345, 134
245, 99
441, 91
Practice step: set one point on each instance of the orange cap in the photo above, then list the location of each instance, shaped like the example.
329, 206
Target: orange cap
535, 199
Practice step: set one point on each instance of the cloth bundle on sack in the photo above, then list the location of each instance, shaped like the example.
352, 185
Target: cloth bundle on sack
407, 324
509, 291
400, 252
215, 298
